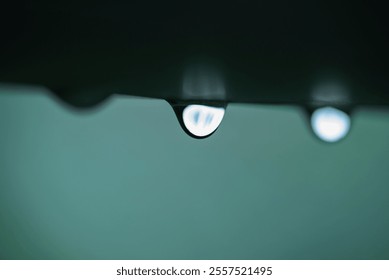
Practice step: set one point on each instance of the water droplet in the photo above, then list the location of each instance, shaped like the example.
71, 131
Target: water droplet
199, 121
330, 124
82, 98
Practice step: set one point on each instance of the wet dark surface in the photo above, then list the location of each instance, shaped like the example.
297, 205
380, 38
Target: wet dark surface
265, 52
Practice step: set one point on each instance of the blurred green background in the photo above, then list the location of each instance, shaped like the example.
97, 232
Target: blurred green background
124, 181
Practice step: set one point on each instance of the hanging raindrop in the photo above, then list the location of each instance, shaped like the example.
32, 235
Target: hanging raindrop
198, 120
330, 124
82, 99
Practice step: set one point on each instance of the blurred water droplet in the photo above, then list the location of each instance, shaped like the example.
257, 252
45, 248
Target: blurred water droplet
330, 124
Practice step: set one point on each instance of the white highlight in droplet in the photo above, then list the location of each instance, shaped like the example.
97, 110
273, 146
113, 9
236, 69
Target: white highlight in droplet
202, 120
330, 124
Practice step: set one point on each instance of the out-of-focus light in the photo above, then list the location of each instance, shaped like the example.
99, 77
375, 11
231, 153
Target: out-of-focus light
201, 120
330, 124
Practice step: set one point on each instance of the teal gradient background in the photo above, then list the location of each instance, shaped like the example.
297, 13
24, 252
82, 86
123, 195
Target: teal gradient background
123, 181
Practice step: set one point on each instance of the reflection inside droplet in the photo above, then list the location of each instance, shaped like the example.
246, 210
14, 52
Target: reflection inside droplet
330, 124
201, 120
